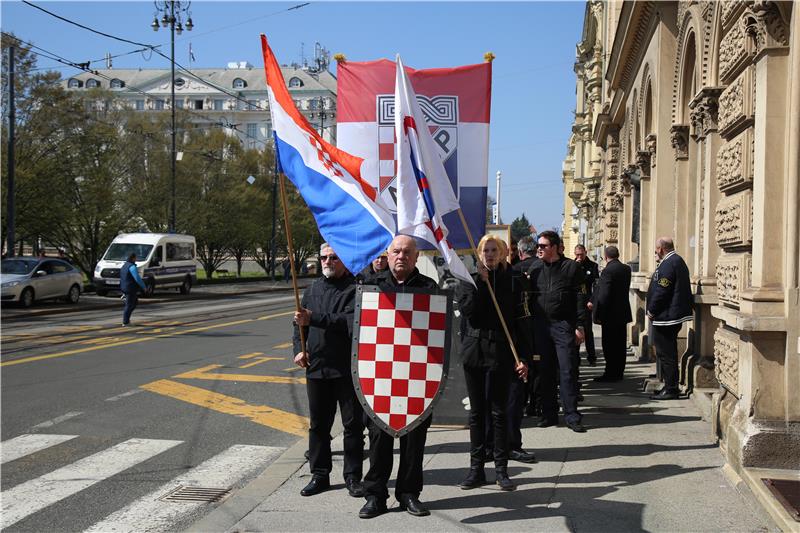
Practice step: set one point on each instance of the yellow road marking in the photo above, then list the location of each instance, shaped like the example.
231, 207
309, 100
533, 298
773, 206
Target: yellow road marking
250, 355
137, 340
205, 373
257, 360
293, 369
260, 414
282, 345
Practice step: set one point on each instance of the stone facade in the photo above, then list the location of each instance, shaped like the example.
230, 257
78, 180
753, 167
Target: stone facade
702, 100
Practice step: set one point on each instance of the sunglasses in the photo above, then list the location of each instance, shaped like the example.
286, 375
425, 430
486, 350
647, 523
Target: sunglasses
543, 245
329, 258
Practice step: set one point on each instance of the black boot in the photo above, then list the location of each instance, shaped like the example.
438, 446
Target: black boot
474, 479
501, 478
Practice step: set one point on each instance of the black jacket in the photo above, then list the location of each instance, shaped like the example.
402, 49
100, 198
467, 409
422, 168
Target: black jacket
669, 298
329, 337
558, 291
385, 281
610, 299
591, 273
484, 342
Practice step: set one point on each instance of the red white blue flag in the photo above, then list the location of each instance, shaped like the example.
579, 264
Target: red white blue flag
349, 212
456, 103
424, 192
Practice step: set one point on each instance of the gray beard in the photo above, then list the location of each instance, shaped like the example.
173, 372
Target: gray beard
328, 272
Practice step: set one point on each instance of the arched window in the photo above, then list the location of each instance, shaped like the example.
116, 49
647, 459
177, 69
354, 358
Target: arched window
239, 83
117, 83
92, 83
74, 84
295, 82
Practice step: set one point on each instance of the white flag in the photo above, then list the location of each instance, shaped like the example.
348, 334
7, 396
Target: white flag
424, 192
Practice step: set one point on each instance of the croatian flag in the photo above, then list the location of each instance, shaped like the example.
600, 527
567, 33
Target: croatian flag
424, 192
348, 211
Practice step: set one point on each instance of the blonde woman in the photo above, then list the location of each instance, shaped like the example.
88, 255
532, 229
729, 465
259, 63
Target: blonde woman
488, 361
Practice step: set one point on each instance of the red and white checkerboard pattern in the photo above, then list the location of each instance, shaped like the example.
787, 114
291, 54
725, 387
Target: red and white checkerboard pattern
387, 156
401, 353
325, 157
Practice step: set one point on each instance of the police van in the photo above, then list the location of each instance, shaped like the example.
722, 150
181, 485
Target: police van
164, 260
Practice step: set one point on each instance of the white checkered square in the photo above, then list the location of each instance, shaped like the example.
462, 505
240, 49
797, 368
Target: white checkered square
436, 338
384, 417
384, 352
386, 318
416, 388
438, 304
404, 302
434, 372
386, 168
368, 335
383, 387
369, 300
420, 319
385, 135
400, 370
402, 336
398, 406
366, 369
419, 354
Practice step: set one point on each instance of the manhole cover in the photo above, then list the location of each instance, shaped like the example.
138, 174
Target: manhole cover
195, 494
787, 492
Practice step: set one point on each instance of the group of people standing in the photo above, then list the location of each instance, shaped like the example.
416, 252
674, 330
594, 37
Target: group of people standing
521, 328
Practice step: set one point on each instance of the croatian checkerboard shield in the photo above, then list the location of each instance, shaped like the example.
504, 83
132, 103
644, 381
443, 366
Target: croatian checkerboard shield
401, 354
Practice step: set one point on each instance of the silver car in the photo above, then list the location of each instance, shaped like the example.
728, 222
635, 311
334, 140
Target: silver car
27, 279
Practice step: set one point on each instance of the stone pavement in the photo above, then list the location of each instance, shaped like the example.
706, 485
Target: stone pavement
642, 466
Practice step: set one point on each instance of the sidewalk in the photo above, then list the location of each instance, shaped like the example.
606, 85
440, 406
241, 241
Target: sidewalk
642, 466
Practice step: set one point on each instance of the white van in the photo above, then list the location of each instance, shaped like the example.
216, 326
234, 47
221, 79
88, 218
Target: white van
163, 259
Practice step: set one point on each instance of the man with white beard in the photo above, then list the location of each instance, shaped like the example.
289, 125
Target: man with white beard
326, 315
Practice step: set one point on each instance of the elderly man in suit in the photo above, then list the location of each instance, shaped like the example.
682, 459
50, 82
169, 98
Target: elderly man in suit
611, 309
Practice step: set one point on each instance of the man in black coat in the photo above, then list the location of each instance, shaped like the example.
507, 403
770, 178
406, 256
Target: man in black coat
612, 310
669, 305
402, 273
326, 316
591, 273
559, 310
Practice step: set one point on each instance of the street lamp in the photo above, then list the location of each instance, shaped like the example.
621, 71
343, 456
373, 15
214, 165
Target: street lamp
171, 16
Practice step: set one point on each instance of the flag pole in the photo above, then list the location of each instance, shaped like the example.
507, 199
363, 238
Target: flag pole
491, 290
290, 249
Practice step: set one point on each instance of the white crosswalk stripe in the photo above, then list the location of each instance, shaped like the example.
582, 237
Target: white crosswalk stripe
36, 494
221, 471
13, 449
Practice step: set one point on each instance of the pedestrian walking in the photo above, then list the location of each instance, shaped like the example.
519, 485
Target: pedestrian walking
326, 314
610, 309
287, 270
669, 305
559, 308
489, 365
591, 273
129, 283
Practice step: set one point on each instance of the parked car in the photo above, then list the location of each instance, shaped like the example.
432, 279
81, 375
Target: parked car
28, 279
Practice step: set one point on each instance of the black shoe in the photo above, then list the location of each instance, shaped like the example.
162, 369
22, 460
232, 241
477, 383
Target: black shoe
411, 504
522, 456
547, 422
577, 427
354, 487
374, 507
501, 478
475, 479
315, 486
665, 395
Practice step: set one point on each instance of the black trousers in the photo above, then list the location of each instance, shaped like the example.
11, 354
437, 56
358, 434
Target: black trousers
517, 397
131, 299
381, 458
323, 396
591, 353
488, 400
614, 349
665, 339
555, 341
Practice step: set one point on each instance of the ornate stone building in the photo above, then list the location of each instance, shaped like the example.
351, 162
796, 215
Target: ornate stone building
696, 135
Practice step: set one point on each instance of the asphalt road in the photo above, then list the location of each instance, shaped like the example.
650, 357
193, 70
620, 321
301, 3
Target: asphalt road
100, 422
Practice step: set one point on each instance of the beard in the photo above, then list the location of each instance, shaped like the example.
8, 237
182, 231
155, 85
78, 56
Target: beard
328, 272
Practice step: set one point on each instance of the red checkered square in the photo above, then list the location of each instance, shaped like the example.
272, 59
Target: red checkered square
369, 317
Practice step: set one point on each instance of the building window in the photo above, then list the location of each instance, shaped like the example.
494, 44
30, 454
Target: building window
74, 84
295, 82
159, 105
92, 83
252, 105
180, 82
252, 131
219, 105
313, 103
179, 104
298, 104
198, 104
139, 105
117, 84
239, 83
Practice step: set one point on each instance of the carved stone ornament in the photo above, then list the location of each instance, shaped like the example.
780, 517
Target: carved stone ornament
726, 359
650, 146
733, 276
735, 51
736, 105
765, 24
679, 138
643, 162
613, 220
735, 162
703, 111
733, 220
613, 235
731, 9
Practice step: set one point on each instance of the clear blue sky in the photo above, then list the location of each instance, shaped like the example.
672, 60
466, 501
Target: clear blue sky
533, 93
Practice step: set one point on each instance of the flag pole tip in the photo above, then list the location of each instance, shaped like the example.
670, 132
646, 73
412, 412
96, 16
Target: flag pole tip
488, 57
340, 58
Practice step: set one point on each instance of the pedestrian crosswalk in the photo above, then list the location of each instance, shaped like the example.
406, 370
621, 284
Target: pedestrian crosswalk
148, 513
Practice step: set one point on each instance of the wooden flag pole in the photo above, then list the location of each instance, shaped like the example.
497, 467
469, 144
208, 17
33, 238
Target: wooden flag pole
491, 290
290, 249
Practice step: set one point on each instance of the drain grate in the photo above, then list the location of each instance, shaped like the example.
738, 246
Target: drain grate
787, 492
195, 494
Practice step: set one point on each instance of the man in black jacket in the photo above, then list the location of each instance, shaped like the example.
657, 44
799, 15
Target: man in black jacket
326, 315
402, 273
613, 311
559, 310
591, 273
669, 305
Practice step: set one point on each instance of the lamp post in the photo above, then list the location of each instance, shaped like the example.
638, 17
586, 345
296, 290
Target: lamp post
171, 10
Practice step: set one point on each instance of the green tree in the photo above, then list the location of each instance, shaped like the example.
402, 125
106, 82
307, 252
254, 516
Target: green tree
520, 227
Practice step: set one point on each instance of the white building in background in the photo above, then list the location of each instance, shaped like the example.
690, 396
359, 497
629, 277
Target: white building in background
243, 107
